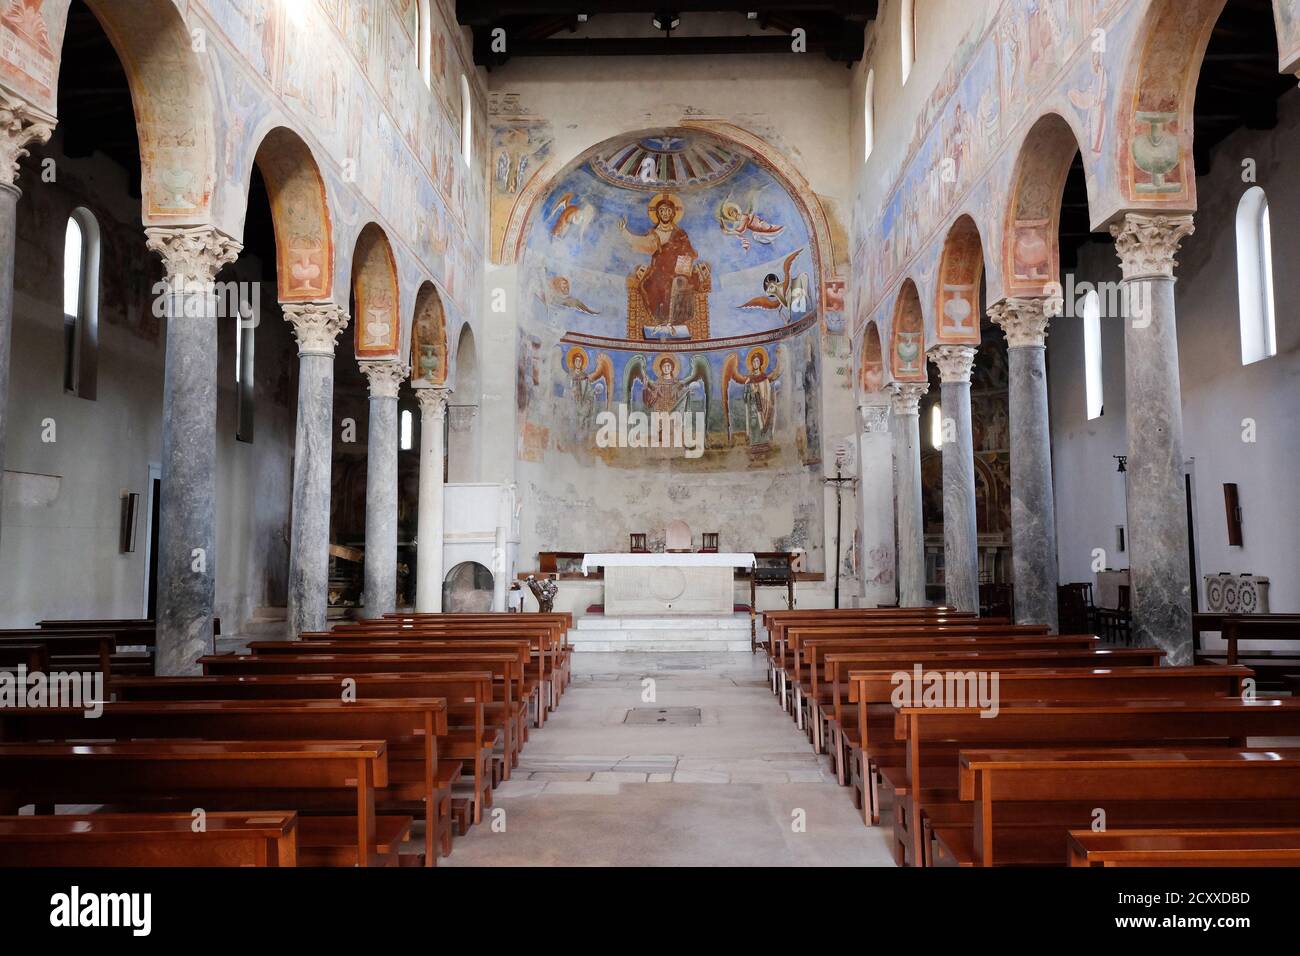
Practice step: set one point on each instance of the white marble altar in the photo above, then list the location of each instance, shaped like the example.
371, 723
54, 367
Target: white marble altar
668, 584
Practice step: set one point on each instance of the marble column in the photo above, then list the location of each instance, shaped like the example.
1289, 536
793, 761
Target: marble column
187, 523
316, 326
20, 126
907, 463
428, 558
876, 502
1157, 503
961, 557
1033, 507
381, 486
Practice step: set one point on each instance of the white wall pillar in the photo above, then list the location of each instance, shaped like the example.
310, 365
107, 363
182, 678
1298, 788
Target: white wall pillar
428, 561
876, 502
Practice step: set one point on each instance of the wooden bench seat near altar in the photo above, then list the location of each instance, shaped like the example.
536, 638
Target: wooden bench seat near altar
262, 838
467, 694
1270, 666
216, 774
33, 656
923, 777
490, 758
777, 622
91, 650
1174, 847
864, 712
411, 728
1023, 803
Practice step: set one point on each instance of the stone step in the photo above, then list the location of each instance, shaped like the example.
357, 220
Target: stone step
596, 632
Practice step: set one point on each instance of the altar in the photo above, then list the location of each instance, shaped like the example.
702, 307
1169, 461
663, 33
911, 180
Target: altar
668, 583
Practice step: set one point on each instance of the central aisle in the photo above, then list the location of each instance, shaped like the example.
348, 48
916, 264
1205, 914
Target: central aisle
592, 789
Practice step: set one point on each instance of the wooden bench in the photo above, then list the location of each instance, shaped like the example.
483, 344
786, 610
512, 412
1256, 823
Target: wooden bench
1271, 667
925, 780
1173, 787
410, 728
467, 693
91, 650
197, 773
1245, 847
264, 838
34, 657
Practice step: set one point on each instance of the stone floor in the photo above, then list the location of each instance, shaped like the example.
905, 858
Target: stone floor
592, 790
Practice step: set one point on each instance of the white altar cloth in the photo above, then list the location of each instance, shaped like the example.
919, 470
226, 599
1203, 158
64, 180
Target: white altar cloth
668, 559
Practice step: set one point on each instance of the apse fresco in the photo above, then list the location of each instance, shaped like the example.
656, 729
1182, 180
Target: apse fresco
674, 273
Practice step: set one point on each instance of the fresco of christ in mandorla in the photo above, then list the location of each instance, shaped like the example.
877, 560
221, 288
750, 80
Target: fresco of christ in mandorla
662, 296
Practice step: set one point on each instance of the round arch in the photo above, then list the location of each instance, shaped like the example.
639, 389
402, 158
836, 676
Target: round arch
464, 416
907, 338
1031, 254
429, 338
377, 333
170, 91
871, 364
304, 241
961, 268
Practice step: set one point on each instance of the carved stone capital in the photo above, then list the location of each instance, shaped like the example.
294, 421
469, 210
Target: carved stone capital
433, 403
1024, 320
21, 125
385, 377
316, 325
874, 418
906, 398
1146, 244
192, 255
955, 362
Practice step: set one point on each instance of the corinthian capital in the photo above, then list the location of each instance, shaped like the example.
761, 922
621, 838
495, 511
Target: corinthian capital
1024, 320
316, 325
954, 361
385, 377
433, 403
1146, 244
20, 125
906, 397
192, 255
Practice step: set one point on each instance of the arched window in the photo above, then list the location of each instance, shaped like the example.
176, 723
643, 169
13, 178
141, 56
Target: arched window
907, 30
1255, 277
869, 116
81, 303
408, 430
424, 39
1092, 354
466, 121
936, 426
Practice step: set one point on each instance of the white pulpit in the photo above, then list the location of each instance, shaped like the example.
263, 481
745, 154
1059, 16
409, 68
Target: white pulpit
671, 583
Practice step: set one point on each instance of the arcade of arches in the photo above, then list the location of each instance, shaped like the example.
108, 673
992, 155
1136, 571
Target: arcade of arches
306, 315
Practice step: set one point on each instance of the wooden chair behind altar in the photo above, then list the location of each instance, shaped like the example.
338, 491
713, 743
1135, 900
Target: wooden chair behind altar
709, 542
677, 537
638, 543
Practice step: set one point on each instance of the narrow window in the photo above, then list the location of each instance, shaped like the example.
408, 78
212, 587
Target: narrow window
936, 426
245, 341
466, 121
869, 116
1092, 354
907, 30
424, 42
1255, 277
81, 304
408, 428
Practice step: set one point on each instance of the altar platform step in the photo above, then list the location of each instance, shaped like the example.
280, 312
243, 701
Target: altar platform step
596, 632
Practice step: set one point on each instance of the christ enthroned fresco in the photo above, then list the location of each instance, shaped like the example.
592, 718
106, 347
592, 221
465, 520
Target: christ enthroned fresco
668, 298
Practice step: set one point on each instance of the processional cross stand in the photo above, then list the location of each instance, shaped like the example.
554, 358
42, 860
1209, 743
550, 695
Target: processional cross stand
839, 481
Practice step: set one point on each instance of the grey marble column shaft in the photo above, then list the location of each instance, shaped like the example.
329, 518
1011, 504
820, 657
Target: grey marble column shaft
381, 487
1157, 505
1034, 561
20, 126
187, 531
876, 503
907, 464
960, 535
316, 327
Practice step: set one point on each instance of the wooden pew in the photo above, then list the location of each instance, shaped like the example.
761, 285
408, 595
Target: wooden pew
93, 650
468, 694
34, 657
263, 838
410, 728
925, 784
194, 773
1246, 787
1246, 847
